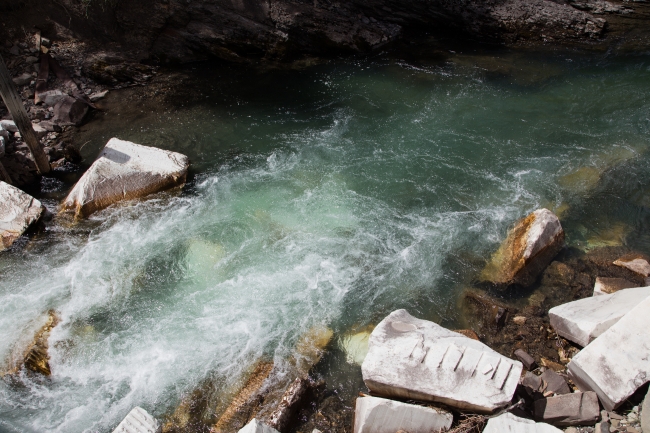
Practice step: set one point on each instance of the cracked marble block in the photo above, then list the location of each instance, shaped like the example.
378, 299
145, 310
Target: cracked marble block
409, 358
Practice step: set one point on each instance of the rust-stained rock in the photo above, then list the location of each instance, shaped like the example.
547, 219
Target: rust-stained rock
528, 249
242, 407
34, 355
468, 333
125, 171
291, 401
17, 212
607, 286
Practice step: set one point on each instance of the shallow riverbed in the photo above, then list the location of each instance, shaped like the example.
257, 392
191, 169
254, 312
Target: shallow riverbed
327, 195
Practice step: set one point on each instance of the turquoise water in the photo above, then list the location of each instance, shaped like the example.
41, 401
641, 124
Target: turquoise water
324, 195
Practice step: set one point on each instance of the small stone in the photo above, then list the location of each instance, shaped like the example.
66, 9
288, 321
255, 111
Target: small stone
526, 359
8, 125
569, 409
613, 415
638, 265
555, 383
31, 59
94, 97
46, 42
23, 79
520, 320
532, 381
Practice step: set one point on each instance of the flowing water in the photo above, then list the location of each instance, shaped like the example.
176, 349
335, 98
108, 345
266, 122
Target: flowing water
325, 195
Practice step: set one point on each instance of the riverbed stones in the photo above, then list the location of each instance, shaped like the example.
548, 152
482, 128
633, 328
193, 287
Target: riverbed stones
379, 415
580, 408
509, 423
528, 249
583, 320
409, 358
255, 426
124, 171
616, 363
138, 421
638, 265
607, 286
18, 211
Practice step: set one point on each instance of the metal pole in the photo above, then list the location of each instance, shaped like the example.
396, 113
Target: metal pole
17, 111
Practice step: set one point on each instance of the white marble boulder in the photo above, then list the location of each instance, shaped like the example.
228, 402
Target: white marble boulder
18, 211
255, 426
583, 320
409, 358
138, 421
379, 415
509, 423
617, 363
125, 171
528, 249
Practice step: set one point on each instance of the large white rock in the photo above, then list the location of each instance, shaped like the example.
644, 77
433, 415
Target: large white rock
416, 359
138, 421
529, 248
379, 415
583, 320
255, 426
17, 212
508, 422
617, 363
123, 171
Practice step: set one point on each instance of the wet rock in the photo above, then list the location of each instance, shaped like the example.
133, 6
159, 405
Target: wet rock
602, 427
290, 403
580, 408
554, 383
416, 359
607, 286
487, 313
70, 111
138, 421
613, 365
528, 249
18, 211
526, 359
638, 265
583, 320
125, 171
256, 426
23, 79
511, 423
355, 347
379, 415
519, 320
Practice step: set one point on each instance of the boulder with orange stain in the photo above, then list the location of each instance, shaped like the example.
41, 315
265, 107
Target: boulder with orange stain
528, 249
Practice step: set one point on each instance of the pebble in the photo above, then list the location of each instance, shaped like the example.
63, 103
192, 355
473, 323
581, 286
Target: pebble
520, 320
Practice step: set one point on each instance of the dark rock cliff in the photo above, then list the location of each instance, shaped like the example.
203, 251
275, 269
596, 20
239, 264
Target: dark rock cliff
188, 30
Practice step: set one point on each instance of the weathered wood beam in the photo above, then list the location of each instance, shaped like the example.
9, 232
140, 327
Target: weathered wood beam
17, 110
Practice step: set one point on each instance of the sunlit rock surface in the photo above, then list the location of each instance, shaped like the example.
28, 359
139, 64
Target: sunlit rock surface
416, 359
508, 422
380, 415
583, 320
616, 363
124, 171
18, 211
528, 249
607, 286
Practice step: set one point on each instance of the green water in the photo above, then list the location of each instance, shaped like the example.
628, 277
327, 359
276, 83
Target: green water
325, 195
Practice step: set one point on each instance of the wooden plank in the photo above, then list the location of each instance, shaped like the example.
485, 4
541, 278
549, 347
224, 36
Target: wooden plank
17, 111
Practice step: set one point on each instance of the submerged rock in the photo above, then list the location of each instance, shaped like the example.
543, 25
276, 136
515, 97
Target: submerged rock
379, 415
511, 423
355, 347
583, 320
528, 249
637, 264
18, 211
416, 359
125, 171
615, 364
32, 351
607, 286
138, 421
